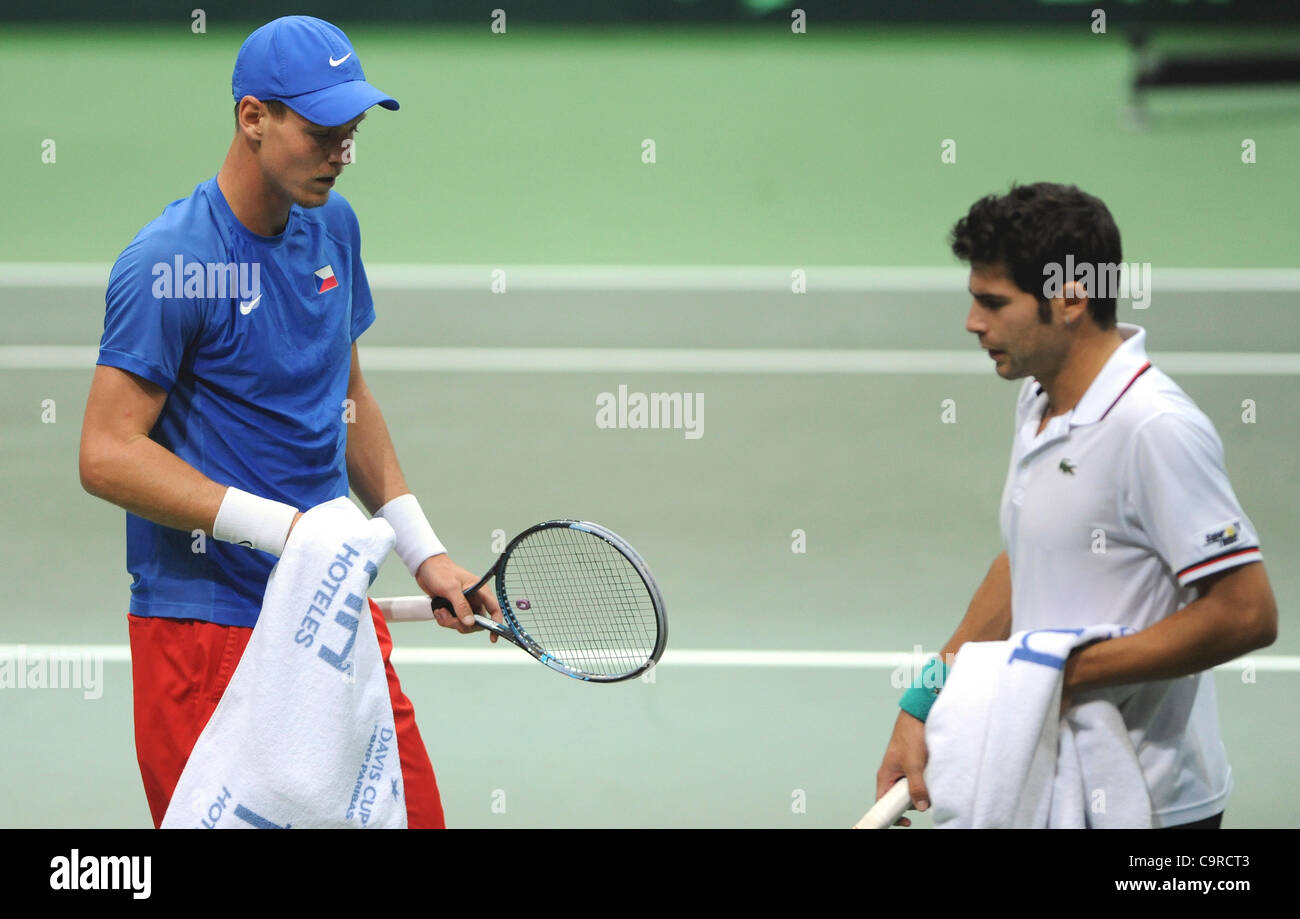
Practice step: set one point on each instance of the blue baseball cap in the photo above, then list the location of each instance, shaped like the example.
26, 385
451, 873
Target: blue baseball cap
310, 66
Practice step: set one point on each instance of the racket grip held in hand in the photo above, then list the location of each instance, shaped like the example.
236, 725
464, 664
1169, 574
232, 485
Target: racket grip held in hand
483, 621
444, 603
885, 812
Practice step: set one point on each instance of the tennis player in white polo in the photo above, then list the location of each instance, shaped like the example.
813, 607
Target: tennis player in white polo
1116, 509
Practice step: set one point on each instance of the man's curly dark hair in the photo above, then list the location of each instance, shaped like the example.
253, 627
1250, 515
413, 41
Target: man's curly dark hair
1032, 226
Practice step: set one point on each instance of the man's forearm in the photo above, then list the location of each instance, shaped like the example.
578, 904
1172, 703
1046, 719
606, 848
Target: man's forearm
150, 481
1233, 619
988, 618
373, 470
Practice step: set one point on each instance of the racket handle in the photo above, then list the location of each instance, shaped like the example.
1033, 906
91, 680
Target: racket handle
405, 609
885, 812
484, 621
420, 609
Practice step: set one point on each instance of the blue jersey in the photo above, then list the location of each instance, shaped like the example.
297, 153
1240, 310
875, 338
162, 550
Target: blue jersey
251, 336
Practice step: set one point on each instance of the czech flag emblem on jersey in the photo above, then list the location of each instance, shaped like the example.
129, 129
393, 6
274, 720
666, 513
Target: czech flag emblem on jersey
327, 279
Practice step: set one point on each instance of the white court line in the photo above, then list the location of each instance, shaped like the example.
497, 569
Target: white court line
839, 278
815, 660
379, 359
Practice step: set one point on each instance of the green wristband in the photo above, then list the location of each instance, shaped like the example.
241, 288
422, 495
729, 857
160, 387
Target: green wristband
921, 695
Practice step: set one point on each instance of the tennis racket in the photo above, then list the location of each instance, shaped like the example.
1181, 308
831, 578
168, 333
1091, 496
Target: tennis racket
575, 596
885, 812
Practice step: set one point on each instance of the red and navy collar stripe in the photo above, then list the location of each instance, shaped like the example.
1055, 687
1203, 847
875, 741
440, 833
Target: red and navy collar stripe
1143, 369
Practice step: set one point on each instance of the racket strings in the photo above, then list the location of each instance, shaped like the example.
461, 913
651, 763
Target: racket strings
581, 601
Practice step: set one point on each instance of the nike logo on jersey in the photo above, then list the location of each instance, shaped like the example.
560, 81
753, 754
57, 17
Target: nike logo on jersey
251, 305
334, 63
327, 279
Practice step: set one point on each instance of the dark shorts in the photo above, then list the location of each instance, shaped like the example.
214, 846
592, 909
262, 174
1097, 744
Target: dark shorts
1209, 823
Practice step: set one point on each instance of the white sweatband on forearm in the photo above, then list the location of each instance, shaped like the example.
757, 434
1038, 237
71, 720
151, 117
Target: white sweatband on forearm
416, 540
258, 523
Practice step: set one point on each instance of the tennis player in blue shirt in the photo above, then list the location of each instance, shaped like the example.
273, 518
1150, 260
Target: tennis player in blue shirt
220, 402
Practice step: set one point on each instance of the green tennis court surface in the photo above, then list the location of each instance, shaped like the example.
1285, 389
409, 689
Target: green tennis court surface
820, 149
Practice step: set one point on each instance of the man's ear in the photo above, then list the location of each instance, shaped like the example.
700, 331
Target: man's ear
252, 113
1074, 301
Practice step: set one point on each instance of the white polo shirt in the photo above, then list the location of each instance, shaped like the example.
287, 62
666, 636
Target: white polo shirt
1109, 516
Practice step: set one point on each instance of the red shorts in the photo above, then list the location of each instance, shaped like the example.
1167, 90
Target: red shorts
180, 668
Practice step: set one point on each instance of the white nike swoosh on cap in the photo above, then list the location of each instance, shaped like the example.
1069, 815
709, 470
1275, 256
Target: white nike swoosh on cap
334, 63
247, 308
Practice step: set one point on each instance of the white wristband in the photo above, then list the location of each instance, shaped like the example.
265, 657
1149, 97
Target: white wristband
416, 540
258, 523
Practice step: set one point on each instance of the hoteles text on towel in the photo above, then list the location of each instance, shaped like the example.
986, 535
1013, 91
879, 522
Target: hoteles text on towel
304, 735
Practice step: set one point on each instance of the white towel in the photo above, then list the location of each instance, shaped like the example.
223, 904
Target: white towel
1000, 755
304, 736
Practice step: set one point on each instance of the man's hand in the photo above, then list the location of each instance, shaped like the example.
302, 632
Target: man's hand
906, 755
439, 576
